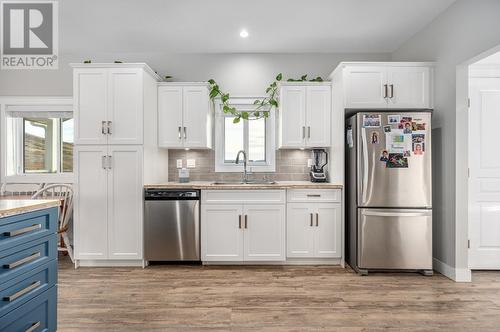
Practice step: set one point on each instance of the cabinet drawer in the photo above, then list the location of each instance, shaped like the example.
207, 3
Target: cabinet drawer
38, 315
25, 287
314, 195
27, 256
243, 196
19, 229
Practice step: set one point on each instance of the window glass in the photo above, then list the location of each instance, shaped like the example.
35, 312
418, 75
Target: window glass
233, 139
39, 146
257, 140
67, 145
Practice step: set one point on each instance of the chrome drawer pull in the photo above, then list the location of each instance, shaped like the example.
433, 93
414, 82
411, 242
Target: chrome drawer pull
23, 230
311, 224
22, 261
103, 130
22, 291
33, 327
246, 221
317, 219
239, 221
315, 195
110, 123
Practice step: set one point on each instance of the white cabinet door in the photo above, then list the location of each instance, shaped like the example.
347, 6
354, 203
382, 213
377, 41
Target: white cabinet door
222, 233
91, 233
292, 116
365, 87
170, 117
318, 112
264, 229
90, 105
125, 111
409, 87
125, 202
196, 107
300, 230
327, 219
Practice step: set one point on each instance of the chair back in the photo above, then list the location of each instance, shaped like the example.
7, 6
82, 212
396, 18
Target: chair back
63, 192
19, 189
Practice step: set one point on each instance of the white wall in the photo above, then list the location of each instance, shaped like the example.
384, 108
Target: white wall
239, 74
465, 30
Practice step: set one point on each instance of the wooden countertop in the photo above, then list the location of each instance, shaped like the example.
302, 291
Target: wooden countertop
237, 186
9, 207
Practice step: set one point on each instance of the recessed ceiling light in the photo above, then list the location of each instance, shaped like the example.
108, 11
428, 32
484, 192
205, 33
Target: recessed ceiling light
243, 33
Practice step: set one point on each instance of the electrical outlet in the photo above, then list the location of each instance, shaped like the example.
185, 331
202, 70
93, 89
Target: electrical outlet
191, 163
179, 163
309, 162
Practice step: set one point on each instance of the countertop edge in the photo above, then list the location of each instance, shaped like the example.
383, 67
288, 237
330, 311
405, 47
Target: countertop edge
209, 186
31, 206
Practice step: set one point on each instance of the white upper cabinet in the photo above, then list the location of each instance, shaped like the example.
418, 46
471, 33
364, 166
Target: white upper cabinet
304, 115
184, 116
109, 103
387, 86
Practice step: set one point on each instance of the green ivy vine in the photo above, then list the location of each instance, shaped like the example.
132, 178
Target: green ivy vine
262, 105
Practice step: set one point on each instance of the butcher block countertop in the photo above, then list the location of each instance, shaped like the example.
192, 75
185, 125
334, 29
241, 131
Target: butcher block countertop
9, 207
238, 186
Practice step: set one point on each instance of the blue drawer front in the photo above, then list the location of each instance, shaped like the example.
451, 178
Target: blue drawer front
39, 314
17, 291
22, 228
27, 256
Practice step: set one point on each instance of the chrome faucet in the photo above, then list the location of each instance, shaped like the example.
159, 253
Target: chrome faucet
245, 173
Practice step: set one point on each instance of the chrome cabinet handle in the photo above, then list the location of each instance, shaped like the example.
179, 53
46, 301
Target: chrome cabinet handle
23, 230
110, 123
313, 195
23, 291
103, 162
392, 90
33, 327
385, 91
311, 224
303, 132
308, 132
246, 221
110, 161
22, 261
103, 130
179, 132
185, 133
239, 221
317, 219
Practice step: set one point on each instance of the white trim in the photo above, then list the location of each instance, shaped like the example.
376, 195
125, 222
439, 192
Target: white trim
138, 65
108, 263
288, 261
183, 84
443, 268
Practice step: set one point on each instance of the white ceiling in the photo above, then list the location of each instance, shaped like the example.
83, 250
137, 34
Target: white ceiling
213, 26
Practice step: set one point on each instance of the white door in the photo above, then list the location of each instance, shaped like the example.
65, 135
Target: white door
91, 232
90, 105
318, 112
125, 202
409, 87
365, 87
170, 116
327, 220
195, 110
300, 230
264, 227
222, 233
125, 111
484, 181
292, 115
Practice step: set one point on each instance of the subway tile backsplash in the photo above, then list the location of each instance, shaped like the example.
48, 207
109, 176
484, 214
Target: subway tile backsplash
291, 165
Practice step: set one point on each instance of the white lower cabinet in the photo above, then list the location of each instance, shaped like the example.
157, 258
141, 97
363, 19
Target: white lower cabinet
314, 230
241, 232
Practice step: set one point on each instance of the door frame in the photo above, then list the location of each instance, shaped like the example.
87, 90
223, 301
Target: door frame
461, 272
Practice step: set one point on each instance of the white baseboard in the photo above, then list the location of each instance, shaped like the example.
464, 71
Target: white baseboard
108, 263
458, 275
289, 261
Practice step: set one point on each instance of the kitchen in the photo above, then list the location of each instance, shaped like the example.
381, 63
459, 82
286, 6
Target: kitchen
237, 184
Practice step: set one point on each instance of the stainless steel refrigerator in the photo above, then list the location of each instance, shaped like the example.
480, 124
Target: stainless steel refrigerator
389, 191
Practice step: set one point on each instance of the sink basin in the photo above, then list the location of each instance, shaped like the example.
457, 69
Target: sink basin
243, 183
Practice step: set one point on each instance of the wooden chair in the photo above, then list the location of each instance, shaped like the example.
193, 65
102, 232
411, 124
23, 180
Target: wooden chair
63, 192
20, 189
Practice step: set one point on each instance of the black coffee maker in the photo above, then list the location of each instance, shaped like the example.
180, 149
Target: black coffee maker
318, 171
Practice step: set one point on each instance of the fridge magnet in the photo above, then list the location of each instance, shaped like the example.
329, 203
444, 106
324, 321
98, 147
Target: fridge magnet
397, 160
418, 149
418, 138
419, 126
375, 139
371, 120
394, 119
406, 119
385, 156
406, 153
406, 126
387, 129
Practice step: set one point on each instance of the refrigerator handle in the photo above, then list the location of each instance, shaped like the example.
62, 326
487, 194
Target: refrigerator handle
364, 166
396, 214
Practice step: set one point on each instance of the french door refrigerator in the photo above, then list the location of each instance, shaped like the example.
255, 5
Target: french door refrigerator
389, 191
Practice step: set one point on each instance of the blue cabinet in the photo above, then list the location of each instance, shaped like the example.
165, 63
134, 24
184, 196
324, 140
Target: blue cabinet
28, 271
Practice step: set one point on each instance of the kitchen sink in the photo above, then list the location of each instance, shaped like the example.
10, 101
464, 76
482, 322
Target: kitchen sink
242, 183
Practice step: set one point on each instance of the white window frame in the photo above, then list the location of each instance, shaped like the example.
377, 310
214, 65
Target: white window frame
43, 103
244, 104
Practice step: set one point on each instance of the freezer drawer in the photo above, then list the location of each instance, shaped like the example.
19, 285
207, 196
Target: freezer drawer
395, 239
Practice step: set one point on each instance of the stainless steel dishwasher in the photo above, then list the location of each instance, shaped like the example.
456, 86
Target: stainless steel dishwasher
171, 225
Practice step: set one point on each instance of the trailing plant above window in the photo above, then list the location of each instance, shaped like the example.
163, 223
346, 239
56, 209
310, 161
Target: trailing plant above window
263, 106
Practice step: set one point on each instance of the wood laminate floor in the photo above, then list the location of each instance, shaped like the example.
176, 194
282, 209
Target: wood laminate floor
187, 298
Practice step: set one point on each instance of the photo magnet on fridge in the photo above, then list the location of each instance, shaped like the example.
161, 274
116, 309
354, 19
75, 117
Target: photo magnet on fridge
384, 156
406, 126
397, 160
387, 129
394, 119
418, 149
372, 120
375, 138
418, 138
